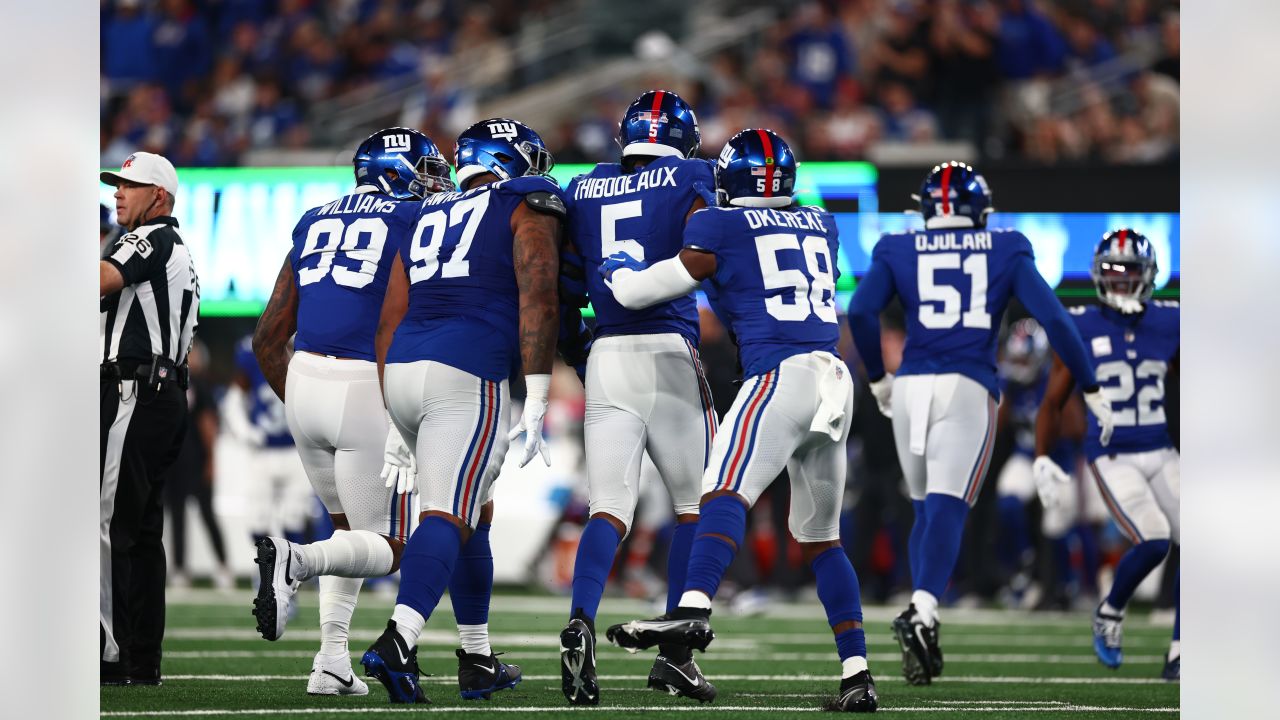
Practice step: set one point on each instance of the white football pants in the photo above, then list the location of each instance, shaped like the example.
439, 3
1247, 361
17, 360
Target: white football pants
795, 417
944, 428
457, 424
646, 393
334, 409
1142, 491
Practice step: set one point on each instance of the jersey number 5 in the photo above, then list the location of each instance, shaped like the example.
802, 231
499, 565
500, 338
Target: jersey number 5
975, 266
332, 236
816, 296
431, 236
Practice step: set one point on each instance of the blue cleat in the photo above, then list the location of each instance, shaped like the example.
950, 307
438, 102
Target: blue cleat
480, 676
395, 665
1107, 637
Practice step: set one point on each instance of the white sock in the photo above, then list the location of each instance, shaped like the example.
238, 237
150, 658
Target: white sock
852, 666
349, 553
695, 599
926, 607
409, 624
475, 639
337, 603
1175, 649
1106, 609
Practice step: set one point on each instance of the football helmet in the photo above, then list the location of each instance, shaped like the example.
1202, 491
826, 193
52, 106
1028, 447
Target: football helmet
1124, 270
1026, 350
756, 168
401, 162
506, 148
954, 195
658, 123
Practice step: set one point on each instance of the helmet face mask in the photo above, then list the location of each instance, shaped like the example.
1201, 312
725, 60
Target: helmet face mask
401, 163
1124, 270
506, 148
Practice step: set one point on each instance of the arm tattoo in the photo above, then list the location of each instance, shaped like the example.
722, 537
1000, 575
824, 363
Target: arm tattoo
277, 324
537, 267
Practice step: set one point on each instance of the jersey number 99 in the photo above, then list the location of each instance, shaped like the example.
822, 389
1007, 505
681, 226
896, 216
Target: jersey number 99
332, 237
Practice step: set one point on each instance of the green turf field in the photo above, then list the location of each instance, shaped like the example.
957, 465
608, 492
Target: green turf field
998, 665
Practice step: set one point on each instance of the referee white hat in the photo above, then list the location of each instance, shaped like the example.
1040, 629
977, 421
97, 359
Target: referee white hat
145, 168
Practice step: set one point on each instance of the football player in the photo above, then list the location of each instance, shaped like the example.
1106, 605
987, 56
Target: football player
330, 292
645, 391
954, 279
475, 296
772, 268
1133, 344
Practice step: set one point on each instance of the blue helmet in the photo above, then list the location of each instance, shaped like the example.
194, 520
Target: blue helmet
401, 162
756, 168
954, 195
1026, 352
657, 123
506, 148
1124, 269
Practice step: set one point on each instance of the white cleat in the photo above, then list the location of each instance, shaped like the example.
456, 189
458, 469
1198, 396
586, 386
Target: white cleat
277, 562
333, 676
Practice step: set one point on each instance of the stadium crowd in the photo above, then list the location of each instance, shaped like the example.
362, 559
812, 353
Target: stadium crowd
205, 81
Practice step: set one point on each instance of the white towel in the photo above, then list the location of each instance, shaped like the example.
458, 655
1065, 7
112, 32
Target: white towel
834, 387
919, 404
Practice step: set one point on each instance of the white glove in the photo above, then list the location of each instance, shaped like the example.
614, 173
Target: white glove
535, 408
1100, 406
882, 389
1050, 480
399, 466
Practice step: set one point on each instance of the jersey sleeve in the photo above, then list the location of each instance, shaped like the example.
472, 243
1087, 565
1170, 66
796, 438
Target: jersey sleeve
141, 258
1036, 295
702, 232
704, 181
869, 298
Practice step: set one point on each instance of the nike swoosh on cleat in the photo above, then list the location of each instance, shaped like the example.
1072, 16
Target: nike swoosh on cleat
696, 681
491, 671
403, 658
345, 683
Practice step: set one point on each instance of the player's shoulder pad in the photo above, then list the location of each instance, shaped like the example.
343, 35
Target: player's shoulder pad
546, 202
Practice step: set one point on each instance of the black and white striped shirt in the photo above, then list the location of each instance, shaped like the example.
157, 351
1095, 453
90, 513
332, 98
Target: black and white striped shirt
155, 313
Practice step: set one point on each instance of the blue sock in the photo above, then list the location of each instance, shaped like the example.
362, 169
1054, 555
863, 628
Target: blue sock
918, 527
1177, 606
1133, 567
678, 562
596, 548
710, 556
940, 545
1014, 536
472, 583
427, 564
1062, 559
842, 598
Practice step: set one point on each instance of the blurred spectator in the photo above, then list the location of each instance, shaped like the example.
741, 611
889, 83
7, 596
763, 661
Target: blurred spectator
820, 52
964, 39
127, 54
902, 118
1170, 44
1029, 44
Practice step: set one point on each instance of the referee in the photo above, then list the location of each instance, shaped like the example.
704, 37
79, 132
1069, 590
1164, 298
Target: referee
150, 298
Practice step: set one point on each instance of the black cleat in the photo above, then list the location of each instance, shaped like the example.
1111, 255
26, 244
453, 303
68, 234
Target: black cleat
683, 680
480, 676
145, 676
857, 694
395, 665
1172, 668
578, 663
931, 645
687, 627
911, 635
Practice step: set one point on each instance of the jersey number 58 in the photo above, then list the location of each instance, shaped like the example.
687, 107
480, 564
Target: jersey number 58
812, 294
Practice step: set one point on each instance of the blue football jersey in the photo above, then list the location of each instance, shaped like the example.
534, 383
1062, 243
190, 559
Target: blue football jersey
775, 279
641, 214
266, 411
464, 305
1131, 356
954, 285
341, 258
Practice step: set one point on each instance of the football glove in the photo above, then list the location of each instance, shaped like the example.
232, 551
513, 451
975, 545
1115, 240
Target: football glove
399, 467
1100, 406
882, 389
535, 409
1050, 481
618, 261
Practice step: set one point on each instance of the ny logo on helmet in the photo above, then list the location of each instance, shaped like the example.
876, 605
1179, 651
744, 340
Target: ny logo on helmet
725, 156
503, 131
396, 143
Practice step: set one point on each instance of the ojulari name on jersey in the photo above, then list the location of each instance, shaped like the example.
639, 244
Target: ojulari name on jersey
359, 204
623, 184
949, 241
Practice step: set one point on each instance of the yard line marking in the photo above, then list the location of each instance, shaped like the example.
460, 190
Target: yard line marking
978, 679
608, 709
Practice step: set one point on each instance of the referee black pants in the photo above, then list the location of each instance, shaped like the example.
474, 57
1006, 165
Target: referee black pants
141, 434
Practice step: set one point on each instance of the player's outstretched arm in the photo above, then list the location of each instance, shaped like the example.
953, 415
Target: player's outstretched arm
1049, 417
872, 294
1038, 298
636, 287
536, 257
394, 305
278, 323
